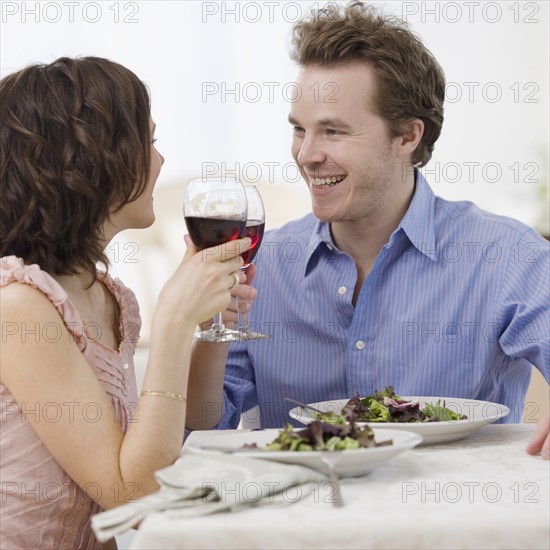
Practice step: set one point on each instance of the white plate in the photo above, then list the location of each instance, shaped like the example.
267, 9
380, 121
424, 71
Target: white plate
479, 413
356, 462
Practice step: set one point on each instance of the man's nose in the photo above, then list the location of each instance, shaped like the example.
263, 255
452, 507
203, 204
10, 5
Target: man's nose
311, 152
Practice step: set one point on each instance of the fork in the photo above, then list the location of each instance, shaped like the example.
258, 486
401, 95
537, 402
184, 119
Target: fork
304, 406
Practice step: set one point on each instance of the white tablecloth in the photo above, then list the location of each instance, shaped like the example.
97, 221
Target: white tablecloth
481, 492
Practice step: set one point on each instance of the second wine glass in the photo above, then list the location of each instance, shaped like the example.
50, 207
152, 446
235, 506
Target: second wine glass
255, 225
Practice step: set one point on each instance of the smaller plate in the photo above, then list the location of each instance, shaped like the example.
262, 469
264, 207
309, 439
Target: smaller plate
479, 413
350, 463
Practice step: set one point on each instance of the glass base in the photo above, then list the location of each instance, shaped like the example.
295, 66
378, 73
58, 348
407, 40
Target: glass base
251, 335
227, 335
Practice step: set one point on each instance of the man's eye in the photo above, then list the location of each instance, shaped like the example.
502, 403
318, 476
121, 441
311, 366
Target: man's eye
297, 129
332, 132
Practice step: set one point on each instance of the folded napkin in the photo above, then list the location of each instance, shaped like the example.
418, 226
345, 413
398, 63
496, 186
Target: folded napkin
200, 485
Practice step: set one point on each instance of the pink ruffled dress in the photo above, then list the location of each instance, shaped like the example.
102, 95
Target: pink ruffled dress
42, 508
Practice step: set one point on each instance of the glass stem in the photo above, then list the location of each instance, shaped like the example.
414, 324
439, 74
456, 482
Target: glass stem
218, 325
243, 311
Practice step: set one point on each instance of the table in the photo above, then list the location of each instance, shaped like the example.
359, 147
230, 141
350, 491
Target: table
481, 492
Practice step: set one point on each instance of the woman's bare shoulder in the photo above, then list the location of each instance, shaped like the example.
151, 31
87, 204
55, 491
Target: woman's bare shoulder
21, 301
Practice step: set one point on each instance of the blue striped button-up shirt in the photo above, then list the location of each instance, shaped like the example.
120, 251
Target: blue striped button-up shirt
456, 305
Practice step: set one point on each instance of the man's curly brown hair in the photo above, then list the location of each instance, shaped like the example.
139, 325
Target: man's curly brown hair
410, 82
74, 148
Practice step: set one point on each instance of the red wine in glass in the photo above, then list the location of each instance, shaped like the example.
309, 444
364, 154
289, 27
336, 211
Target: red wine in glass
208, 232
255, 231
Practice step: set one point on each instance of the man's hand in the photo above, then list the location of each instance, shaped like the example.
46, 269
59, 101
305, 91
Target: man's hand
242, 297
540, 442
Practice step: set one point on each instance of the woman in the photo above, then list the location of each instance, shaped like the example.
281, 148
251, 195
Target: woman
77, 165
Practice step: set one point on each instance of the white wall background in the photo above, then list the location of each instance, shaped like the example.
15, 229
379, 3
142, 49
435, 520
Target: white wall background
494, 146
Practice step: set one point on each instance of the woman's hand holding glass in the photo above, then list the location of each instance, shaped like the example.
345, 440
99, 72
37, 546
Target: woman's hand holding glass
203, 283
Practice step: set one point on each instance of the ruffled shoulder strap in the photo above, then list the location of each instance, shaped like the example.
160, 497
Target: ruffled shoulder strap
130, 319
14, 270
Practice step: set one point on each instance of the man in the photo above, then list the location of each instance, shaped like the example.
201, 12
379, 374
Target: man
384, 283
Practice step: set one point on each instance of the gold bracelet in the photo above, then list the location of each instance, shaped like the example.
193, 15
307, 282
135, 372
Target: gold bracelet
171, 395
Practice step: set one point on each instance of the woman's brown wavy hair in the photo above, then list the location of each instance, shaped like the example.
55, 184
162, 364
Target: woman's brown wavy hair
74, 147
410, 82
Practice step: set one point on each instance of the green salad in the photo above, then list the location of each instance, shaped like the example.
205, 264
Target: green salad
386, 406
323, 436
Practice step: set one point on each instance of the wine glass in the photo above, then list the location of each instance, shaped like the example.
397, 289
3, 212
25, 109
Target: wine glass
215, 212
255, 224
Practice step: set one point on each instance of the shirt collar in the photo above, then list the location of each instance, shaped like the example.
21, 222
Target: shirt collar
418, 224
321, 235
319, 242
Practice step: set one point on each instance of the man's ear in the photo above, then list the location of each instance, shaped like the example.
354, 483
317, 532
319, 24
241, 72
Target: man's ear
412, 132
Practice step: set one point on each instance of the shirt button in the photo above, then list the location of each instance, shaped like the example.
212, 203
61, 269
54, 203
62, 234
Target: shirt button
125, 366
342, 290
360, 344
329, 246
